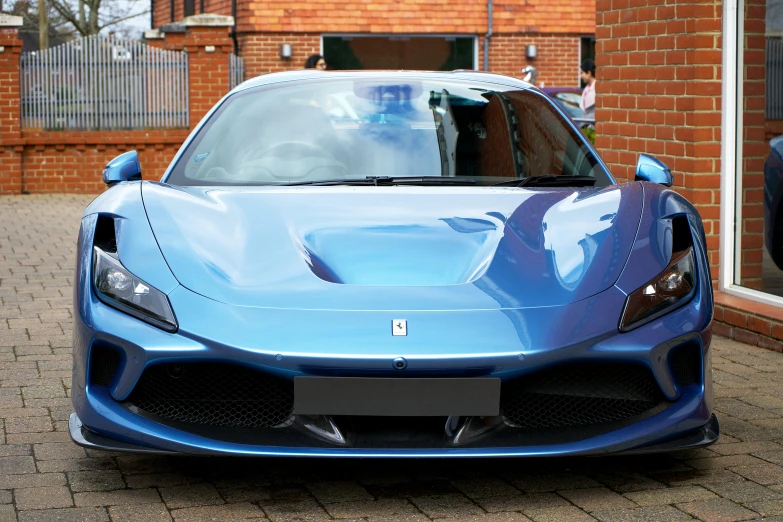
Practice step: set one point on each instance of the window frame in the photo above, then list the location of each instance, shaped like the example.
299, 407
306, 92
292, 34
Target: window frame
730, 252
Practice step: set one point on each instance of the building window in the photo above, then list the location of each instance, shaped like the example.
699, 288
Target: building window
190, 7
752, 191
431, 53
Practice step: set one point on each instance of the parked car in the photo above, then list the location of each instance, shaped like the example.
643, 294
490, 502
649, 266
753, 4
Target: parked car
773, 201
444, 268
568, 99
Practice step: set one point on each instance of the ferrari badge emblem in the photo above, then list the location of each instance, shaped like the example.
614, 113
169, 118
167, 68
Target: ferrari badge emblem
399, 327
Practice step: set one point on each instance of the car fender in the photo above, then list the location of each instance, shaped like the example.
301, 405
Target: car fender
137, 247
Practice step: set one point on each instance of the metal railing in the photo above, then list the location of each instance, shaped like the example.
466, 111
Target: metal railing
774, 72
99, 83
236, 70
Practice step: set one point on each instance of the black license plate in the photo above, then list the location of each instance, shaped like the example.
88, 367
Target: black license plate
397, 397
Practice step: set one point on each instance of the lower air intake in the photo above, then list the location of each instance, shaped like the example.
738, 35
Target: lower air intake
685, 364
214, 394
103, 365
584, 394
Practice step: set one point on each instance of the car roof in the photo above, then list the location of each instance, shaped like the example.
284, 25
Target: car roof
314, 74
556, 90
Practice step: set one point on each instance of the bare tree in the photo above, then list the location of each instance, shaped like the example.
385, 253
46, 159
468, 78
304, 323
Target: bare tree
89, 17
63, 20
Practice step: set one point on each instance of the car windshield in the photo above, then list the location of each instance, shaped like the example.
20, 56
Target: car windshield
360, 128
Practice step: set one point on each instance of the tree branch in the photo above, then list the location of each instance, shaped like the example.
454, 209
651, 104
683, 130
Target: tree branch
120, 20
64, 10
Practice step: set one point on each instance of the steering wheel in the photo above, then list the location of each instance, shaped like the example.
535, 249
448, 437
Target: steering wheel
293, 160
293, 149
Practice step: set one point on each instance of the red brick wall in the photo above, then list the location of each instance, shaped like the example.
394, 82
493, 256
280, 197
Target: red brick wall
395, 16
10, 169
221, 7
659, 92
73, 162
415, 16
161, 10
43, 161
10, 158
208, 72
160, 13
557, 62
553, 25
748, 321
261, 52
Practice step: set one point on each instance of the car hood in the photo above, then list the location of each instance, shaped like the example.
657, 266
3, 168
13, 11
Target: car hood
394, 248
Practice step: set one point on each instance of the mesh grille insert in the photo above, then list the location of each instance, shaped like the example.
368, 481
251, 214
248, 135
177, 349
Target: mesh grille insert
103, 365
214, 394
685, 364
582, 394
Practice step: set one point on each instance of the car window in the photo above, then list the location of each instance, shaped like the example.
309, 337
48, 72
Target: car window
569, 98
352, 129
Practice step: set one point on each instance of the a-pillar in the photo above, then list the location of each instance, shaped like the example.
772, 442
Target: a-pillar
10, 108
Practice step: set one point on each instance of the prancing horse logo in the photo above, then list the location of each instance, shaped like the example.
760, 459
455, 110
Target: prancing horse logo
399, 327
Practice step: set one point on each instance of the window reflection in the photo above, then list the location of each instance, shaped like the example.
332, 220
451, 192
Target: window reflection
760, 231
371, 127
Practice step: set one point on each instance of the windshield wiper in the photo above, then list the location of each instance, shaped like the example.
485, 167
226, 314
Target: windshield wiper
549, 181
388, 180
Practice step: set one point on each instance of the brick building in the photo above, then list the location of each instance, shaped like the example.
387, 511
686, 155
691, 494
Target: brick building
404, 34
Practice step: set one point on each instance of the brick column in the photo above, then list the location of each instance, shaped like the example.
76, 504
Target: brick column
207, 40
10, 106
659, 92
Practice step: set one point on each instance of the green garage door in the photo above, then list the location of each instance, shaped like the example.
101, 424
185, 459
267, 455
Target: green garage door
427, 53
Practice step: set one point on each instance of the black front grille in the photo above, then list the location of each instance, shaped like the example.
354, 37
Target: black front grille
579, 394
685, 364
103, 364
214, 394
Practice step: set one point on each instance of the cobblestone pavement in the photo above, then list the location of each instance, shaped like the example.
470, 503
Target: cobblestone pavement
43, 476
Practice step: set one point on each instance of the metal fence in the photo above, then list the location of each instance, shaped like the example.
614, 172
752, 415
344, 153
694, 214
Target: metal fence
774, 72
98, 83
236, 70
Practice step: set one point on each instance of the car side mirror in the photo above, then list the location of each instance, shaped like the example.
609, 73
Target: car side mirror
654, 171
125, 167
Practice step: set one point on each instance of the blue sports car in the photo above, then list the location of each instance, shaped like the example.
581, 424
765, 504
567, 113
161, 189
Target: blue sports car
391, 265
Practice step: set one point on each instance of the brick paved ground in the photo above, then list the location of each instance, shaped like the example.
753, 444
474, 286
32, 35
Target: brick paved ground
43, 476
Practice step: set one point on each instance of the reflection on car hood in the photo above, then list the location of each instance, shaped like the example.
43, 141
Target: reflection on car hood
395, 248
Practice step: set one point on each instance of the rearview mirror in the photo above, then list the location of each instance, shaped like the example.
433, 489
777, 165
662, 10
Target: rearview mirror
652, 170
125, 167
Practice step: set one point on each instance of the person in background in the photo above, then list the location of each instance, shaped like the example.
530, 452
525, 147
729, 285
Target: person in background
588, 93
315, 61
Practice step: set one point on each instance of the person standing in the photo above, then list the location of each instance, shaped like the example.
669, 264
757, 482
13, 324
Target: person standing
315, 61
587, 104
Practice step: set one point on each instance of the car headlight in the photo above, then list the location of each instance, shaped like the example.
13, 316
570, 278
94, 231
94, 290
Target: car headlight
120, 289
670, 288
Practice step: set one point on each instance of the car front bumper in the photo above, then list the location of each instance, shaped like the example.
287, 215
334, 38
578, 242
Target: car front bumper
704, 436
104, 419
